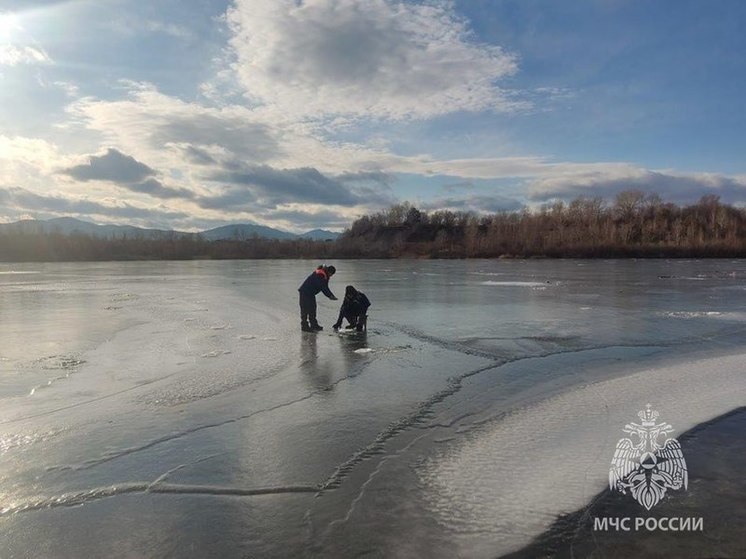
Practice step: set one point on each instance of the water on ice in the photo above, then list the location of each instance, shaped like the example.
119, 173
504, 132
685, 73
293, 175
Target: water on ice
467, 417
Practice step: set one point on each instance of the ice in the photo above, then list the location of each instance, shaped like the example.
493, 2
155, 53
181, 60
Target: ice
517, 474
691, 314
184, 413
515, 283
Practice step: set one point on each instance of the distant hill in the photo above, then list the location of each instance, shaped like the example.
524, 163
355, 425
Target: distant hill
320, 235
239, 231
243, 231
70, 226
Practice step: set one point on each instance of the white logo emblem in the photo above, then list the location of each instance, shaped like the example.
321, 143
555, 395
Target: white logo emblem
652, 465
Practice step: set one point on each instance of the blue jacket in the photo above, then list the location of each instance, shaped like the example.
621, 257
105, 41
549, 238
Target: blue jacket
317, 282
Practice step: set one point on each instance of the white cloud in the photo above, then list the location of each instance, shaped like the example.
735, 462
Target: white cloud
12, 55
212, 147
158, 128
26, 160
70, 89
172, 29
608, 180
366, 58
19, 201
478, 204
17, 46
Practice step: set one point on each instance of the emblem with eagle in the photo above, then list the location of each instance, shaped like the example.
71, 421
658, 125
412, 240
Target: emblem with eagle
649, 463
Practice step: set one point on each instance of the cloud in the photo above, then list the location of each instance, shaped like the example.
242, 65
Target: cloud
125, 171
198, 156
303, 220
24, 201
156, 189
17, 46
113, 166
473, 168
19, 5
459, 186
12, 55
31, 151
475, 203
172, 29
205, 127
132, 26
366, 58
269, 187
147, 121
670, 185
376, 177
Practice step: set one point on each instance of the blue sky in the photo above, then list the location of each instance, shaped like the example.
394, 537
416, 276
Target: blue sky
307, 113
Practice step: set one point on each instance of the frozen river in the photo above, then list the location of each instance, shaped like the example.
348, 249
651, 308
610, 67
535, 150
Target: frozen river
175, 409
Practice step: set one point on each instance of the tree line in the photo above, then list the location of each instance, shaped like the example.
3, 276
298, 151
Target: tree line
632, 225
57, 247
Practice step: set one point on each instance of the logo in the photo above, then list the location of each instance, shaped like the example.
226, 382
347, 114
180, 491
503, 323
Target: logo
649, 463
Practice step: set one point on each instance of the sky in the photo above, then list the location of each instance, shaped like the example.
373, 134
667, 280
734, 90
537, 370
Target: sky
298, 114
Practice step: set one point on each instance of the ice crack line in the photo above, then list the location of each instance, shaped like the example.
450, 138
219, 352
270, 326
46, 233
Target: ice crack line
175, 436
425, 408
180, 434
440, 342
84, 497
422, 410
92, 400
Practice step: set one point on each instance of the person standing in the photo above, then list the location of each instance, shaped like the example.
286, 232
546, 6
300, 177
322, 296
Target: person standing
317, 282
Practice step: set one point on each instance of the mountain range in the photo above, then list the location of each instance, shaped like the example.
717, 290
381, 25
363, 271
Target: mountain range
240, 231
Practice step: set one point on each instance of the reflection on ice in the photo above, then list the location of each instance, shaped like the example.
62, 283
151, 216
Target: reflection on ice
512, 476
462, 422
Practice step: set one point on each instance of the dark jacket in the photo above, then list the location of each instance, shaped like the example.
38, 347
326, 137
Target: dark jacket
317, 282
354, 305
357, 304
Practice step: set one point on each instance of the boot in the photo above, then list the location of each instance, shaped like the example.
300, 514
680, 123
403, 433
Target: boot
316, 327
304, 327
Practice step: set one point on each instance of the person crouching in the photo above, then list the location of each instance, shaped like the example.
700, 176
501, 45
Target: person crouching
354, 309
317, 282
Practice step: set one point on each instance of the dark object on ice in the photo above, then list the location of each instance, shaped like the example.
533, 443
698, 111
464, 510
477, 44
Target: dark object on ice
354, 309
317, 282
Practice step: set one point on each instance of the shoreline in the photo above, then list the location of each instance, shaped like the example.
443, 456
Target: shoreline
406, 257
715, 452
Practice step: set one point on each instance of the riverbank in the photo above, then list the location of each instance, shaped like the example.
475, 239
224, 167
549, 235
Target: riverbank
715, 452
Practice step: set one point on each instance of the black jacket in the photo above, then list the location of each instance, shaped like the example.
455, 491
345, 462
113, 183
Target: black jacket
353, 306
317, 282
